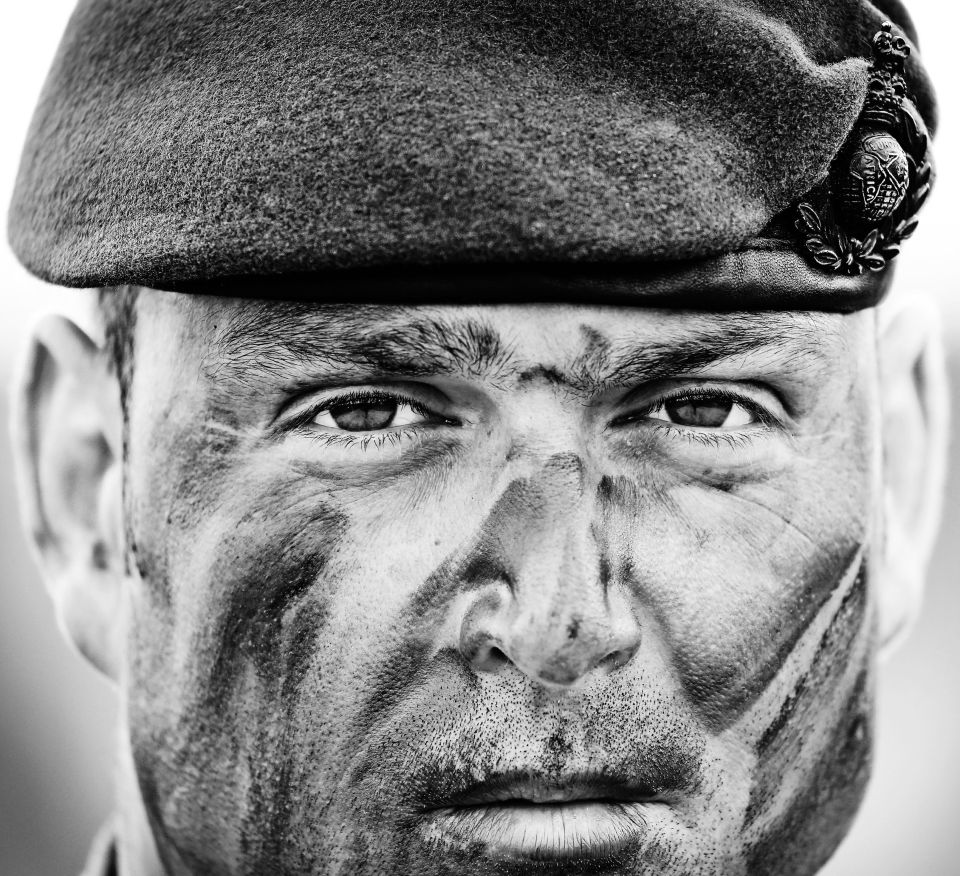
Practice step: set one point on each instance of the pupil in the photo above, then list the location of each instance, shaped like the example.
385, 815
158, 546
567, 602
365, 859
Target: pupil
364, 417
710, 413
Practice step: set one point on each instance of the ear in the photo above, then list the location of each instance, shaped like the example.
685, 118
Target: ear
67, 433
915, 413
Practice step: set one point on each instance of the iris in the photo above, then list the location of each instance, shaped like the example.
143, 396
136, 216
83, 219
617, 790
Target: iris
709, 413
365, 416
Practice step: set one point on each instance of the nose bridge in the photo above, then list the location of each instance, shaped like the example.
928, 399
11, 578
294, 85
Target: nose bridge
556, 569
549, 527
554, 621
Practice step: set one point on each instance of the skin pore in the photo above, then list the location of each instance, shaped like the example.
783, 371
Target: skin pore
380, 556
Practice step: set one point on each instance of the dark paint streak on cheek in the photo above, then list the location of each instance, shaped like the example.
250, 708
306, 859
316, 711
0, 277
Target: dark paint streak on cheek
845, 758
251, 624
150, 569
823, 578
839, 635
802, 840
724, 690
272, 621
267, 830
276, 624
410, 653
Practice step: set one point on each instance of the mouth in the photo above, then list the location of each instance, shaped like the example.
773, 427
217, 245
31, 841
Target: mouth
529, 817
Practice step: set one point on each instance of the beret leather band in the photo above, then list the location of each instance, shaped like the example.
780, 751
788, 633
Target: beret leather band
769, 276
637, 151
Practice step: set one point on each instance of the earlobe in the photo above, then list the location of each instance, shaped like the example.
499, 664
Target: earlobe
67, 432
915, 414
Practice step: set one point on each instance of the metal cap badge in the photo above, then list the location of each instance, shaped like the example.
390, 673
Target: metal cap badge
857, 219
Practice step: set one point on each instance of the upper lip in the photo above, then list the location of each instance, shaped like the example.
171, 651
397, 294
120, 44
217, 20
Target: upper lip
533, 787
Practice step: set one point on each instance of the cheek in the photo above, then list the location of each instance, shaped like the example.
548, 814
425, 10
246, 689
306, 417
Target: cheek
235, 628
760, 595
813, 757
762, 578
731, 579
268, 608
275, 630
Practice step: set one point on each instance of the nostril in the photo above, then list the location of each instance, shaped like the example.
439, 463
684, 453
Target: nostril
497, 655
489, 659
618, 659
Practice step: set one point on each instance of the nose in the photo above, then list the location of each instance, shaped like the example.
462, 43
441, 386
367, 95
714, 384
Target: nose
542, 601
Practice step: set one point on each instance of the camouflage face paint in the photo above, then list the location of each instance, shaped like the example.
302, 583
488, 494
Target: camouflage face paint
306, 686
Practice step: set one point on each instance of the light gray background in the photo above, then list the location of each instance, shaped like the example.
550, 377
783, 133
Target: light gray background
56, 715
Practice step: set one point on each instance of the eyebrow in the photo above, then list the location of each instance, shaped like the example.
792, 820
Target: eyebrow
338, 335
784, 341
413, 344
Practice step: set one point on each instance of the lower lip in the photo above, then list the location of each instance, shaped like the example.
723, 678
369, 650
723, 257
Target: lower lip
585, 829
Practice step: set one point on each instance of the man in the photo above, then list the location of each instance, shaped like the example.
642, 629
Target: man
497, 461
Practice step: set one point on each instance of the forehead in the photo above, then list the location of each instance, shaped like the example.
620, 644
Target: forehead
579, 342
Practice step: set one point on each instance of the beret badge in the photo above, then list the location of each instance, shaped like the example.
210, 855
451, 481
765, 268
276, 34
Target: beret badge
856, 220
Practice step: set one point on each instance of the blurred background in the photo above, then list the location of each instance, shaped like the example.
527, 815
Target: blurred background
57, 715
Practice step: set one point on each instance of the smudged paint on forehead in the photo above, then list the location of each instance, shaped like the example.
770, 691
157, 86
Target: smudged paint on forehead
252, 340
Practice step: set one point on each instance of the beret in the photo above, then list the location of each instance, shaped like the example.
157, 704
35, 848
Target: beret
214, 145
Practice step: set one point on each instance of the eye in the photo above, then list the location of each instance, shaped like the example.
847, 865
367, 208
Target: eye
704, 410
370, 413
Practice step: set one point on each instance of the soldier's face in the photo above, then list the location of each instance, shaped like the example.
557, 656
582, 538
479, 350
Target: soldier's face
498, 590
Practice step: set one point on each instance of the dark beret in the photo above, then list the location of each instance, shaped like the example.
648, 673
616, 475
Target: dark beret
205, 144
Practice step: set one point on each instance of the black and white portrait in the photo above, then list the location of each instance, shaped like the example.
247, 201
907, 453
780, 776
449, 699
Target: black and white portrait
487, 438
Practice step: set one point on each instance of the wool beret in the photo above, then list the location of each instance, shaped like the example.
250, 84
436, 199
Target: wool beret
657, 147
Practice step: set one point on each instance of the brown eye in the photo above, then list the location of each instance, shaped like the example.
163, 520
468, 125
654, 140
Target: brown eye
710, 412
369, 413
363, 417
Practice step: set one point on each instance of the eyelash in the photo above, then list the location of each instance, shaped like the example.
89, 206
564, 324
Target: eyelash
363, 440
706, 437
732, 440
